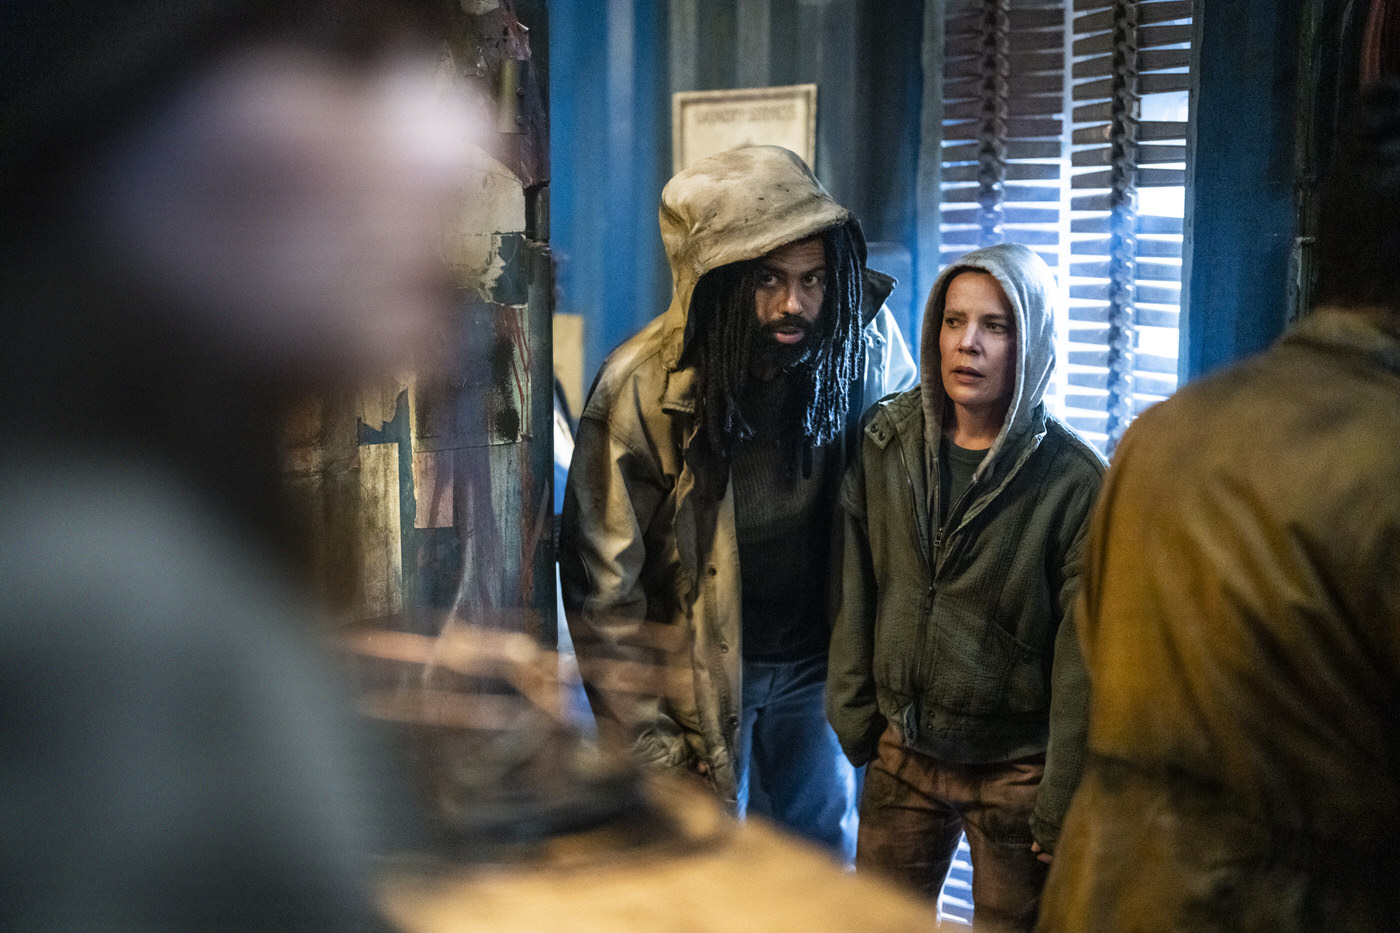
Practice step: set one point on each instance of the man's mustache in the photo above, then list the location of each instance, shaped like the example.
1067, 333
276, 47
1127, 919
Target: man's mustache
788, 322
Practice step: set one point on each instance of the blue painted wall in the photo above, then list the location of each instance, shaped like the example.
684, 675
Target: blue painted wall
610, 106
607, 146
611, 85
1241, 217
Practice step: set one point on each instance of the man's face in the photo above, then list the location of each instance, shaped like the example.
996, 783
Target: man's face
788, 302
291, 213
977, 343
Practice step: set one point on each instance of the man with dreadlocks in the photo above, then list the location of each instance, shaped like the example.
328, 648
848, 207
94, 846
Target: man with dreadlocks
700, 500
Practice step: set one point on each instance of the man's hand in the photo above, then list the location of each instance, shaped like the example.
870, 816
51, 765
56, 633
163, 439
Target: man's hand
1041, 854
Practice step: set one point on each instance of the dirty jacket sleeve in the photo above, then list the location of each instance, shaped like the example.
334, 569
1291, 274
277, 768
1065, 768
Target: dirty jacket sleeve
850, 687
614, 492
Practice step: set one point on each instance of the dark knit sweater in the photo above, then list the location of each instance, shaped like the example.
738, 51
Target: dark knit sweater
782, 533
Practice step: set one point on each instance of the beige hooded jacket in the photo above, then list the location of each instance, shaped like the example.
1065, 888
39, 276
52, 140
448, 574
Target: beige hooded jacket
648, 553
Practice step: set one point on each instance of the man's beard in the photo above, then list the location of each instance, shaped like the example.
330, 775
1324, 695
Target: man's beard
766, 353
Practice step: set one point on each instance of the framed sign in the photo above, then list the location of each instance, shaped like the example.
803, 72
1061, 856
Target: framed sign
706, 122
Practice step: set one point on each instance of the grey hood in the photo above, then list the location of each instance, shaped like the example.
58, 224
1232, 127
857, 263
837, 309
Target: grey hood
1031, 289
730, 207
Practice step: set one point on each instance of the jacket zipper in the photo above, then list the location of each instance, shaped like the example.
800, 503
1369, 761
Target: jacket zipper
933, 561
930, 566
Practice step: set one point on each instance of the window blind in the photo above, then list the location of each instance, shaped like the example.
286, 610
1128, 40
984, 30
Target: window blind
1003, 112
1065, 129
1130, 80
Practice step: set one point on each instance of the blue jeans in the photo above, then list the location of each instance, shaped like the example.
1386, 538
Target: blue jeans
791, 768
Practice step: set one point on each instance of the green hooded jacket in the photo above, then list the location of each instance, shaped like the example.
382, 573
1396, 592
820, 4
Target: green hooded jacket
963, 637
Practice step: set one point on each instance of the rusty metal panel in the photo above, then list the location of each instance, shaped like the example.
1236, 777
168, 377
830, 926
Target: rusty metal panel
430, 497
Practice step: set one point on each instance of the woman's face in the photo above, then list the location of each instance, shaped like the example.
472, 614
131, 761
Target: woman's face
291, 212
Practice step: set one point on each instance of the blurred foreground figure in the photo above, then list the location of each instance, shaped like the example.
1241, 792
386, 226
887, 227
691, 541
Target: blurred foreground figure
209, 211
1241, 618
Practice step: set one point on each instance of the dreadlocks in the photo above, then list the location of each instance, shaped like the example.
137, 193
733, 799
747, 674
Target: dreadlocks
722, 312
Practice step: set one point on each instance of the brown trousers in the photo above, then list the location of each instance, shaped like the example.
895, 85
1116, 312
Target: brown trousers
914, 808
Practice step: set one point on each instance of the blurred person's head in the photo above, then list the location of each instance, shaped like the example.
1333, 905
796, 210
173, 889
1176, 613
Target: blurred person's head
208, 200
1358, 226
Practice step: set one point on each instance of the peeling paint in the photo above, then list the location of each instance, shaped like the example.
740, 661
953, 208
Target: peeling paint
511, 285
381, 571
496, 210
379, 403
512, 349
540, 524
486, 400
428, 493
432, 485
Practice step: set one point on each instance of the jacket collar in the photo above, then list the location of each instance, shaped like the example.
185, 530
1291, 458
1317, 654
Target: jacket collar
901, 421
1372, 333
